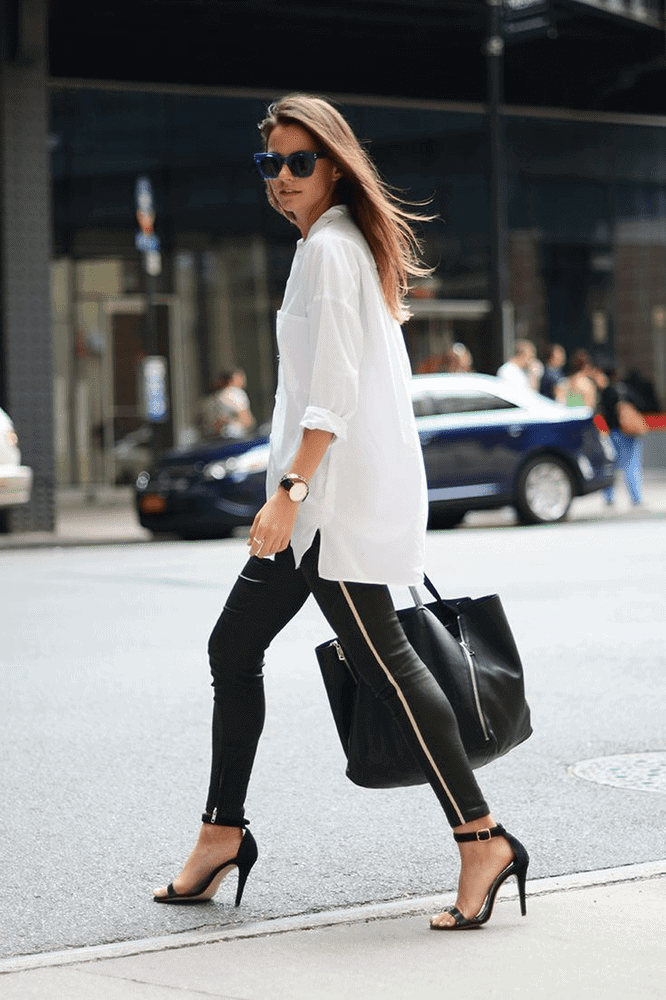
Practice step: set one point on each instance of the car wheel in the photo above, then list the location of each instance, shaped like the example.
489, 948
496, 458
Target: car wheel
545, 491
445, 518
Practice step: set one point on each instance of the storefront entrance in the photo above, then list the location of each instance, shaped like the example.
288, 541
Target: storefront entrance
129, 438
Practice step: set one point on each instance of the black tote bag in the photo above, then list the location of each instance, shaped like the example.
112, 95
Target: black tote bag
468, 646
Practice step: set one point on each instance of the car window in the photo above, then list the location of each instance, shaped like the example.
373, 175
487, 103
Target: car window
475, 401
423, 406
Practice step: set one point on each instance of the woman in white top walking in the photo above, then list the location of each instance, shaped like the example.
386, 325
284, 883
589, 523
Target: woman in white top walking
347, 503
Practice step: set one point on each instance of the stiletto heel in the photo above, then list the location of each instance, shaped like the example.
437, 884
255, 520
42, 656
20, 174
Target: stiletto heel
518, 868
243, 872
206, 889
521, 878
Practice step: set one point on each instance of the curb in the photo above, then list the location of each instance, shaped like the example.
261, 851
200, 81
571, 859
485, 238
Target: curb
25, 542
390, 910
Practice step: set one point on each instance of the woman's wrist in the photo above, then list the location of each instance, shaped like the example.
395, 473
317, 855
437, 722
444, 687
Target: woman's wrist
295, 486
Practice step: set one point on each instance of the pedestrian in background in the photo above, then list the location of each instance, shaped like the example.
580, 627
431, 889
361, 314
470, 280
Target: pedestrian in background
628, 447
644, 389
516, 370
225, 410
535, 373
580, 387
213, 413
235, 399
457, 359
553, 374
347, 504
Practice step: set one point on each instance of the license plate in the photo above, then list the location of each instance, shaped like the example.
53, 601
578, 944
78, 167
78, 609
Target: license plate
152, 504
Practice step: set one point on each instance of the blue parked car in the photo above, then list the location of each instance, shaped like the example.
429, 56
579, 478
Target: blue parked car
486, 444
205, 490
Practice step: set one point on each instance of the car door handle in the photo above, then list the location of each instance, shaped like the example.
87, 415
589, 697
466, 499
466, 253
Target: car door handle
515, 430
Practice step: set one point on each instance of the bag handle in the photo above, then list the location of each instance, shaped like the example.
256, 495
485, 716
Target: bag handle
429, 585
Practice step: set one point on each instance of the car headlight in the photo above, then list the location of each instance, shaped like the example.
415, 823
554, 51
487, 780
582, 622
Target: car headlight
239, 467
254, 460
215, 470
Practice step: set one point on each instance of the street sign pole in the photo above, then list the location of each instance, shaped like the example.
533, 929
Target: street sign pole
499, 257
509, 21
154, 396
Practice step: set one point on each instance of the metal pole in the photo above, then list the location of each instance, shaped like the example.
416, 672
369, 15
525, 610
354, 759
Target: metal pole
150, 325
499, 268
153, 387
158, 443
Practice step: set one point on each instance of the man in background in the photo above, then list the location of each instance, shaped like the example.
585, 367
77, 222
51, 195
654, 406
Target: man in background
516, 370
553, 374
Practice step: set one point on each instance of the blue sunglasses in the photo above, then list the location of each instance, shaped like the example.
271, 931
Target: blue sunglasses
300, 164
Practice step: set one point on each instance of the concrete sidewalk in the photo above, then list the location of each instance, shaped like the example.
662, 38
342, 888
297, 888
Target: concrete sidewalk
594, 935
105, 515
96, 515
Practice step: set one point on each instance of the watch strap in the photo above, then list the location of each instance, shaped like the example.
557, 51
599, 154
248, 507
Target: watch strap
290, 479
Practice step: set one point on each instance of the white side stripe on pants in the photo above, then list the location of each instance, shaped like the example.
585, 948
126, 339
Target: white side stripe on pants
403, 701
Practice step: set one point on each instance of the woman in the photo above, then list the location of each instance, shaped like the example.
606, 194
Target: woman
235, 398
580, 388
214, 414
628, 447
347, 502
225, 411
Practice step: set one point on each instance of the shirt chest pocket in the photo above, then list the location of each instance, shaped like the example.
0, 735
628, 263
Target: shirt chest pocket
293, 337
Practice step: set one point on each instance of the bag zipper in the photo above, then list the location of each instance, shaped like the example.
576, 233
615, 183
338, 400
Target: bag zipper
469, 656
343, 659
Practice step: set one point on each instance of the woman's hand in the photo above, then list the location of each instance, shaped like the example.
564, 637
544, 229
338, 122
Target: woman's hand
272, 527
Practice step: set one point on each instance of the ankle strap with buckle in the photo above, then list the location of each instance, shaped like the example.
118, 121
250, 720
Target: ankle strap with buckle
479, 835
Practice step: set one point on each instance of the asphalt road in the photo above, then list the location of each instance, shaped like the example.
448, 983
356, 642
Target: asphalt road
105, 732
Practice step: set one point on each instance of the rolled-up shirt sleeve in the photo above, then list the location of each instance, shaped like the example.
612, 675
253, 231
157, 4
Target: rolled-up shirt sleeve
336, 337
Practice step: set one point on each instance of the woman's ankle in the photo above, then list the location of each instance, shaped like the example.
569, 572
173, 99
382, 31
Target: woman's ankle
474, 825
211, 833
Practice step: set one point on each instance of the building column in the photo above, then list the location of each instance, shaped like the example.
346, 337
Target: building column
25, 254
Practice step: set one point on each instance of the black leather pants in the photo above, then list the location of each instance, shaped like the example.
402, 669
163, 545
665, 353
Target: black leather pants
267, 595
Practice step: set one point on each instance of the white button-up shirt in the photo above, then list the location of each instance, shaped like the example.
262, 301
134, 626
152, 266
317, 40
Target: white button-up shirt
344, 368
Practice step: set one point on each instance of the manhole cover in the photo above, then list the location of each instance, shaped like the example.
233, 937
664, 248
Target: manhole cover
645, 772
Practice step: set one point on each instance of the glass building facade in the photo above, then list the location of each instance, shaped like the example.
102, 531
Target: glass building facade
587, 246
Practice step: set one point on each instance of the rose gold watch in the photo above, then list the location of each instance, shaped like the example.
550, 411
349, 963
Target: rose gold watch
297, 487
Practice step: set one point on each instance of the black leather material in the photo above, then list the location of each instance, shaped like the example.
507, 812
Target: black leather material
459, 918
468, 647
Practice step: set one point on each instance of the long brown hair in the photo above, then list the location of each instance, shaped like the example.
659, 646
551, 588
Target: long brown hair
383, 218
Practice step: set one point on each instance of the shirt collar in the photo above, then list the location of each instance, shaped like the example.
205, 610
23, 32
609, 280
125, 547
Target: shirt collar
335, 212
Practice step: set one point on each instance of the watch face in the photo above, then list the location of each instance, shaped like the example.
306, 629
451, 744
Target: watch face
298, 491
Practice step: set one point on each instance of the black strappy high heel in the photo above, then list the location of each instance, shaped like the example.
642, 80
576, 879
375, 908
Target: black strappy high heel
518, 867
206, 889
